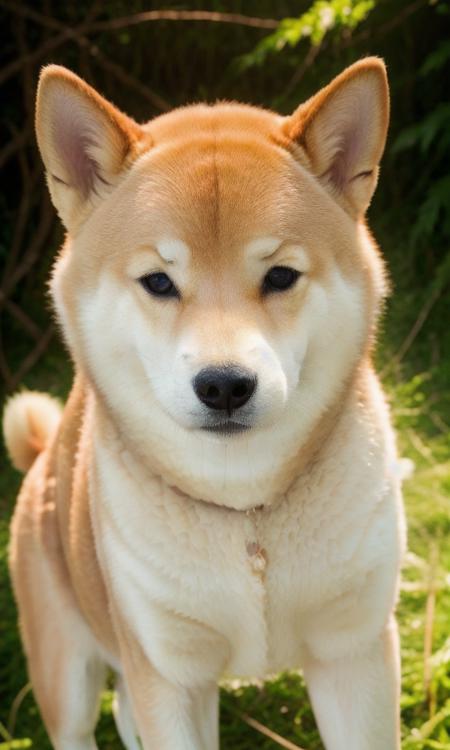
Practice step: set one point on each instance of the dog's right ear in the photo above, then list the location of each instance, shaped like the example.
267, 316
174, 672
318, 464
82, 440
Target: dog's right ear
85, 143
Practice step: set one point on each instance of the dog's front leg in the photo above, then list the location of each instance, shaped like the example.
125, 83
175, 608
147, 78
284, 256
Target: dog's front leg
169, 716
356, 698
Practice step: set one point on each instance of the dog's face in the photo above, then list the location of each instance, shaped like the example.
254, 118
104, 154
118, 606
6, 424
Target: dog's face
218, 285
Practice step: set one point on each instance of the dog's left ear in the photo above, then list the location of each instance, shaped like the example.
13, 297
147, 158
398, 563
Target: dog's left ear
343, 131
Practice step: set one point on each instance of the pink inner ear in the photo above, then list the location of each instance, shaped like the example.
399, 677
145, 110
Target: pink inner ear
344, 163
350, 134
73, 141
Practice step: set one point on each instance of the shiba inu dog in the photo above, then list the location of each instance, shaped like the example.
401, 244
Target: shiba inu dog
219, 496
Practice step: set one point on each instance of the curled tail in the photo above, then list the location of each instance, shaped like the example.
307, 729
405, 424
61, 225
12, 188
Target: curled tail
30, 420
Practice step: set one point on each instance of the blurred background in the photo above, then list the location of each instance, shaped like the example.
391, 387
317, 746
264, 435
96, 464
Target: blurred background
147, 58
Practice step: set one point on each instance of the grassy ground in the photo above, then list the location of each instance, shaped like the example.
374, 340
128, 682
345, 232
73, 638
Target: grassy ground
418, 390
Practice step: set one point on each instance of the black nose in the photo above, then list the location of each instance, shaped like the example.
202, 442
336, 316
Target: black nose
225, 388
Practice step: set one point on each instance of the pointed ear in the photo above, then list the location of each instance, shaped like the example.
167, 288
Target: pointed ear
343, 130
85, 142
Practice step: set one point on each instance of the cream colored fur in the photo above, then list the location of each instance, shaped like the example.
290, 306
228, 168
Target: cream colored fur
30, 421
144, 542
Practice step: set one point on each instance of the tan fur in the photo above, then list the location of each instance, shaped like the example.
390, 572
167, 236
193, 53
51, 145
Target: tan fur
113, 495
30, 421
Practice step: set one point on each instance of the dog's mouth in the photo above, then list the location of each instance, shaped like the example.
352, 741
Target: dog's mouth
227, 427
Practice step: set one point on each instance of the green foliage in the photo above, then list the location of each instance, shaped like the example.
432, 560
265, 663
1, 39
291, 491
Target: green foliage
436, 60
431, 131
434, 212
428, 140
321, 18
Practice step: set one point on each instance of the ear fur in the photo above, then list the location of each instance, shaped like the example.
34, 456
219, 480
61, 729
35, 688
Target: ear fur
343, 131
85, 142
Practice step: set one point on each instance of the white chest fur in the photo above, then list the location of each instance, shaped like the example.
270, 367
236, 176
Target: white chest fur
209, 590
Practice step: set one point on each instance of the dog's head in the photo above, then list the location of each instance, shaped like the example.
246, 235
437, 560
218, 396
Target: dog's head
218, 285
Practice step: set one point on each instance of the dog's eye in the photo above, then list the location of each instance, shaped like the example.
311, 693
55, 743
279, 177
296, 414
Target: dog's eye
160, 285
279, 278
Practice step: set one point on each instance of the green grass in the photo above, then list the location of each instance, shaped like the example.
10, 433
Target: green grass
421, 410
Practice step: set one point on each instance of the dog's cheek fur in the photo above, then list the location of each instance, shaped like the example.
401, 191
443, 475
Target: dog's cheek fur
324, 341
